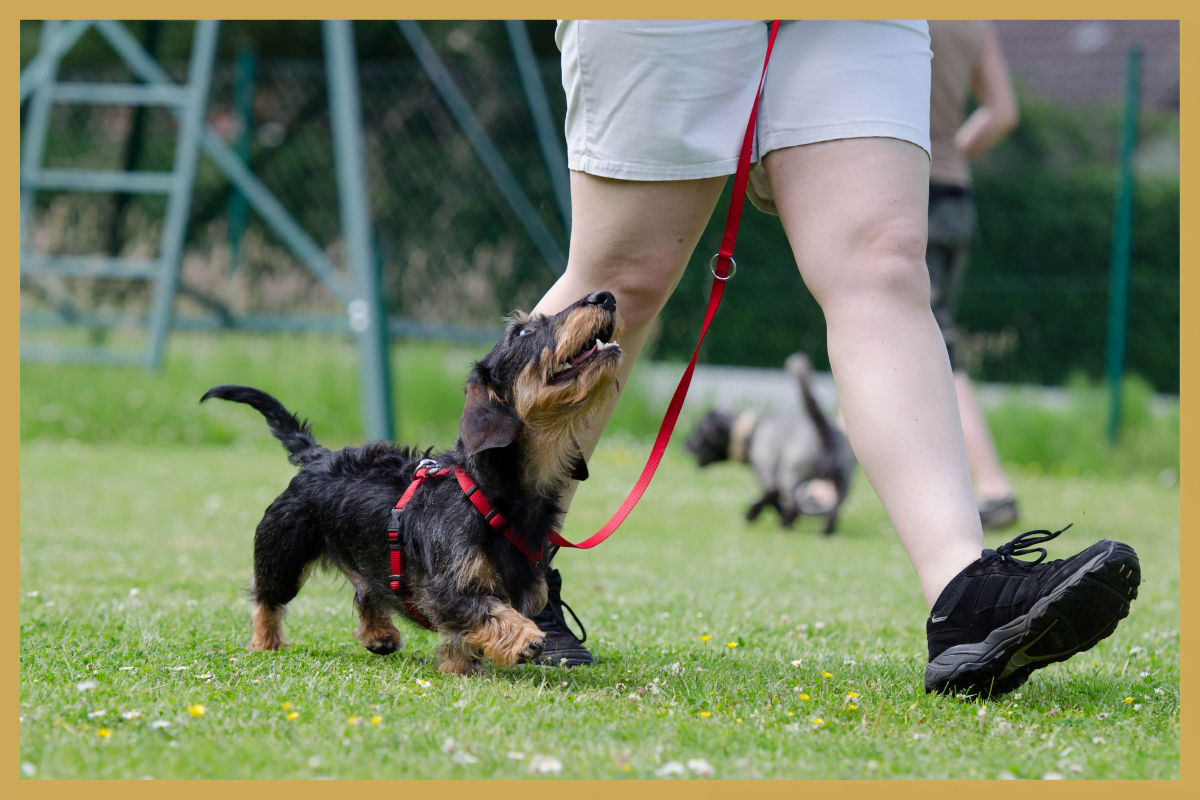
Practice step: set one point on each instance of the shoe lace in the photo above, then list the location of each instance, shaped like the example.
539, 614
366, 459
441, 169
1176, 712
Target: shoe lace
1026, 543
555, 602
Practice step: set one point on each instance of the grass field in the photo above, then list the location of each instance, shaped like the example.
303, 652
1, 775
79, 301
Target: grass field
726, 650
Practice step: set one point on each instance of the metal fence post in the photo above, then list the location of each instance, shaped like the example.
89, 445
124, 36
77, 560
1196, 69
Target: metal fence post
243, 104
366, 309
1118, 291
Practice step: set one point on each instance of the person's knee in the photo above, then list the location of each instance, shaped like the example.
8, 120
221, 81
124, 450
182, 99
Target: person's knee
642, 283
884, 262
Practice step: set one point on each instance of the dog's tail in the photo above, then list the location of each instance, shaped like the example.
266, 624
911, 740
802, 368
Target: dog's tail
286, 426
800, 368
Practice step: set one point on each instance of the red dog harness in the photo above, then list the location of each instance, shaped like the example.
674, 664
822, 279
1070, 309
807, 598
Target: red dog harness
428, 468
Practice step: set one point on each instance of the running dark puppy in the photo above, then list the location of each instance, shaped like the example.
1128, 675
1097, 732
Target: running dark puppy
786, 453
440, 561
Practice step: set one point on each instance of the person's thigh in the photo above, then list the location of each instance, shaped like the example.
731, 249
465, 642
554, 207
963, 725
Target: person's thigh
843, 79
658, 100
855, 214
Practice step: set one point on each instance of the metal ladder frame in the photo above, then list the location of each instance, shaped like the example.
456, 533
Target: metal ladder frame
188, 102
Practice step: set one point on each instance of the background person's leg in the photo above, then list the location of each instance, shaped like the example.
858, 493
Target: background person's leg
855, 213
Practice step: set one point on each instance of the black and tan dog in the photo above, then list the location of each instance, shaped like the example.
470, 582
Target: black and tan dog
473, 579
786, 453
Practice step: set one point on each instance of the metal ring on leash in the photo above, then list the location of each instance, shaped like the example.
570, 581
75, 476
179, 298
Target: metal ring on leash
712, 267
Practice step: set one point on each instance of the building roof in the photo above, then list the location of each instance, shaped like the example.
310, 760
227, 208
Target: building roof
1084, 61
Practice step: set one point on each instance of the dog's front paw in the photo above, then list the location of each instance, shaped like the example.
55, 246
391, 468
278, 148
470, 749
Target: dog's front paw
378, 634
508, 638
458, 657
533, 649
384, 645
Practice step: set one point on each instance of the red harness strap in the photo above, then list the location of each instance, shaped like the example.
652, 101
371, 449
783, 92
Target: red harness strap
428, 468
494, 518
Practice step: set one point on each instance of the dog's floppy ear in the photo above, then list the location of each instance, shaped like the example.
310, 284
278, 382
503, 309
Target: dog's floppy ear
579, 468
486, 422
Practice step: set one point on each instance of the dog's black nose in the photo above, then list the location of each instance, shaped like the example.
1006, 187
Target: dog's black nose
603, 299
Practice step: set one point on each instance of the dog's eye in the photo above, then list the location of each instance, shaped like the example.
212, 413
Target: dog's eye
525, 331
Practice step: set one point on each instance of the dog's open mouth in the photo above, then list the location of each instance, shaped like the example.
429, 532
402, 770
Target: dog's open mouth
595, 349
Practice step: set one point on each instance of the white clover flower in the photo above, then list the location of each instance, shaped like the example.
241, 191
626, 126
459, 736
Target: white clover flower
668, 769
700, 767
86, 686
545, 765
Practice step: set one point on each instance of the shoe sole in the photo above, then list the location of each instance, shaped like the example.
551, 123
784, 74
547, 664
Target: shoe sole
1077, 614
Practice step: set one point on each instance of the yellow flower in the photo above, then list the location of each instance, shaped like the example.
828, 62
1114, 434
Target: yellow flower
196, 710
626, 767
851, 695
791, 713
731, 645
852, 707
352, 721
706, 713
827, 674
1127, 700
803, 696
706, 637
376, 720
286, 706
817, 722
291, 716
104, 733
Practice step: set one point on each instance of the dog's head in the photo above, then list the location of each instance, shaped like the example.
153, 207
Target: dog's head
709, 440
542, 381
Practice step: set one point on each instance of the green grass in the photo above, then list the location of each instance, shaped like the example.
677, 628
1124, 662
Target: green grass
135, 556
134, 561
317, 376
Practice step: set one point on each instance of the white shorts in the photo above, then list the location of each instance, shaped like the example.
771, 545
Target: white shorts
669, 100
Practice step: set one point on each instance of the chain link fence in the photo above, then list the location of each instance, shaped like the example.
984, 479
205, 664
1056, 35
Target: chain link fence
455, 256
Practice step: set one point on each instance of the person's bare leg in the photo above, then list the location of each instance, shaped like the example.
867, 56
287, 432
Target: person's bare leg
855, 214
633, 238
991, 482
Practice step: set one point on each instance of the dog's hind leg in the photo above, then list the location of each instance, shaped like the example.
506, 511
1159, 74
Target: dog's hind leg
284, 552
770, 498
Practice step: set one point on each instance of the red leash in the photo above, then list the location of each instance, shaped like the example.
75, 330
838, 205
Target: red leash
723, 266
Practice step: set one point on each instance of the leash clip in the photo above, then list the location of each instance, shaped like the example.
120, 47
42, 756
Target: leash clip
712, 267
429, 465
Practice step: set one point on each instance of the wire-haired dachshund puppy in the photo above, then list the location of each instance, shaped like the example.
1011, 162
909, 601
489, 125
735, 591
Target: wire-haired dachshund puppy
450, 541
785, 452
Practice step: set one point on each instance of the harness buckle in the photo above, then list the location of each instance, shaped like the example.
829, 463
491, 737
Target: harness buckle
429, 465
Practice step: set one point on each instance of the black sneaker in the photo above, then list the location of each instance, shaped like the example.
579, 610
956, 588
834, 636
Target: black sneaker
562, 647
1000, 619
998, 512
